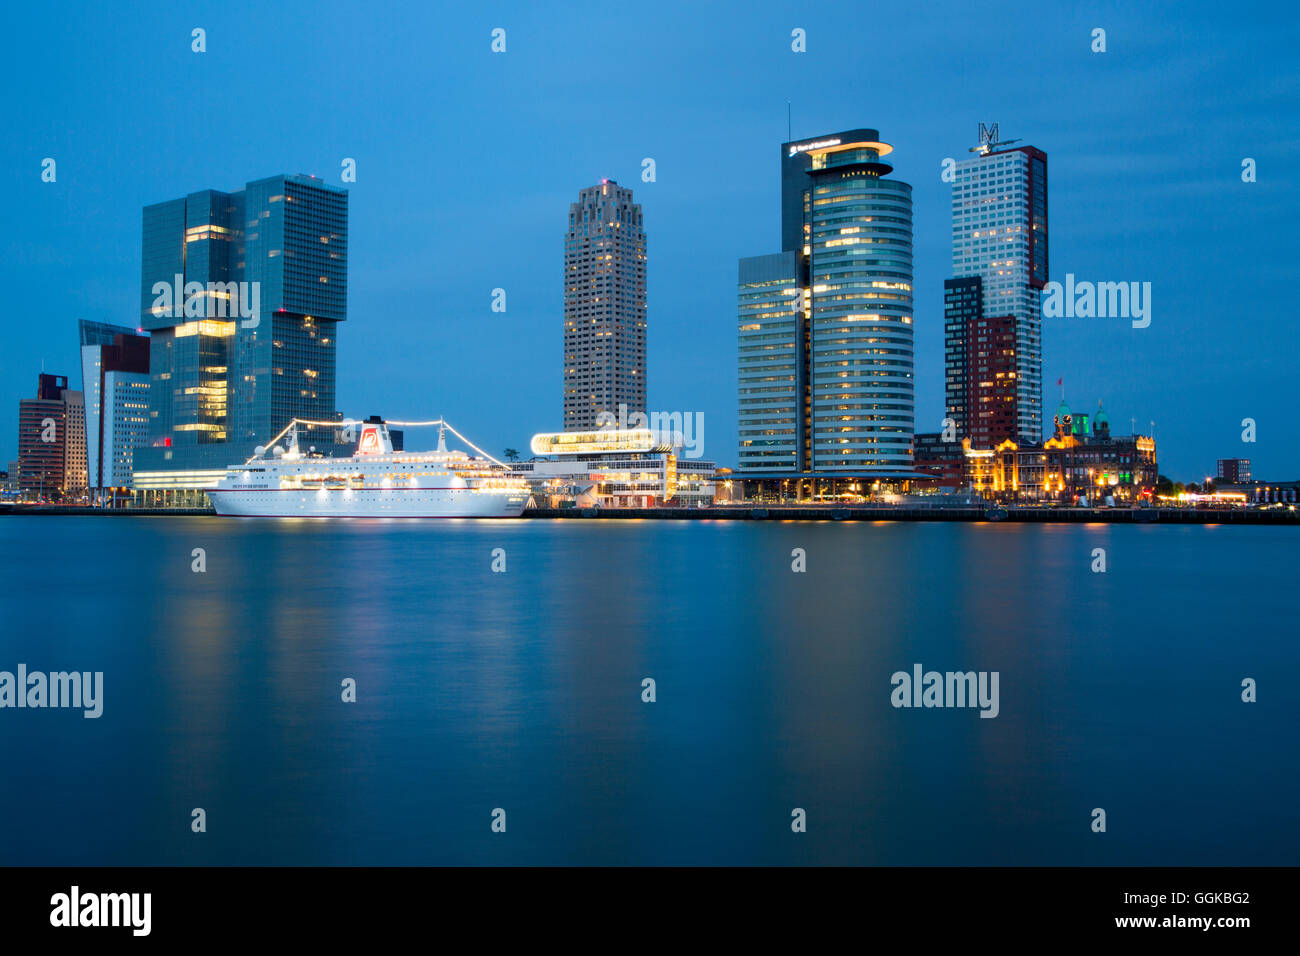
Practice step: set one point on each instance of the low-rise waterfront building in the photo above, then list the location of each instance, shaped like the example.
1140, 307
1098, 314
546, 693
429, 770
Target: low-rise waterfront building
1081, 459
1261, 492
615, 468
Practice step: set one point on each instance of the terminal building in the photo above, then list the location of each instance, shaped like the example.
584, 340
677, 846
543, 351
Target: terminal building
615, 468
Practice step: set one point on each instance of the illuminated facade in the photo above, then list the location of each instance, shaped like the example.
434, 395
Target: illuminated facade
775, 410
197, 238
115, 382
980, 365
1082, 459
296, 247
52, 440
604, 307
993, 342
825, 327
218, 374
627, 468
254, 345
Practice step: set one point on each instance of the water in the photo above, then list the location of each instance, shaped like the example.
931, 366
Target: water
522, 690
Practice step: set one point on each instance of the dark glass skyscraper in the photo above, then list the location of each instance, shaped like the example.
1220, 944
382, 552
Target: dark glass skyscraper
296, 248
252, 345
198, 239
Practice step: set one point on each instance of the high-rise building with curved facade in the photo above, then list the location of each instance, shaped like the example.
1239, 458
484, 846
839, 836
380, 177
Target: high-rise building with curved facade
825, 326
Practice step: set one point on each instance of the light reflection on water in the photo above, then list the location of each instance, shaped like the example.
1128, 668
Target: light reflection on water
522, 690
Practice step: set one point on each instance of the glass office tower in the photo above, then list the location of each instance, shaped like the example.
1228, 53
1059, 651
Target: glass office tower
999, 234
296, 249
773, 368
196, 239
115, 382
849, 229
218, 374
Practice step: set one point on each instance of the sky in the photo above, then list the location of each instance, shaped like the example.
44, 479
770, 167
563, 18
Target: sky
467, 160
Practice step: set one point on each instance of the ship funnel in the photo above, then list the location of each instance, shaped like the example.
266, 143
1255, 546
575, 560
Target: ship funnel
374, 439
442, 436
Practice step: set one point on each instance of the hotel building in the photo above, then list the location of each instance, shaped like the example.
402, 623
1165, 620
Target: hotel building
825, 371
604, 307
993, 304
1081, 459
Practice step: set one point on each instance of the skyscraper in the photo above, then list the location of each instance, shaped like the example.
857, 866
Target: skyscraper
775, 410
195, 243
825, 327
604, 307
52, 439
251, 342
296, 248
993, 384
115, 382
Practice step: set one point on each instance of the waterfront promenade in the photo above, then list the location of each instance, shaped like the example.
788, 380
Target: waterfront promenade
773, 512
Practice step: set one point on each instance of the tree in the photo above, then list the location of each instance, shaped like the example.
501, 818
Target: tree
512, 454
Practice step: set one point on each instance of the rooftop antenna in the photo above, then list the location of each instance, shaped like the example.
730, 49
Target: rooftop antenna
989, 140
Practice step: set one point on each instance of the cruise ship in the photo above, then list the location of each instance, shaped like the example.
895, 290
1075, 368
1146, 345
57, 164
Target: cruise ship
375, 482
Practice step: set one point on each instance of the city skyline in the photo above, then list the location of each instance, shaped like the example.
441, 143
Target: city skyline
413, 361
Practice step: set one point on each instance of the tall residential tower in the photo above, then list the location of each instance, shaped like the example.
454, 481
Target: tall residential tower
993, 381
604, 307
825, 326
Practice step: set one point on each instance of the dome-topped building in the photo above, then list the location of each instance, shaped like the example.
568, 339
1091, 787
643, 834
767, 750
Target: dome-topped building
1101, 423
1063, 420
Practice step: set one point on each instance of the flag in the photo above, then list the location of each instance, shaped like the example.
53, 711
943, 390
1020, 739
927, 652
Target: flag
1060, 381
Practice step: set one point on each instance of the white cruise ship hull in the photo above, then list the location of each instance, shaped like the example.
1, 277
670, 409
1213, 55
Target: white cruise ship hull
366, 503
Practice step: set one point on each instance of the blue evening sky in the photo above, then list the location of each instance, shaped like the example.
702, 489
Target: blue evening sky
467, 161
